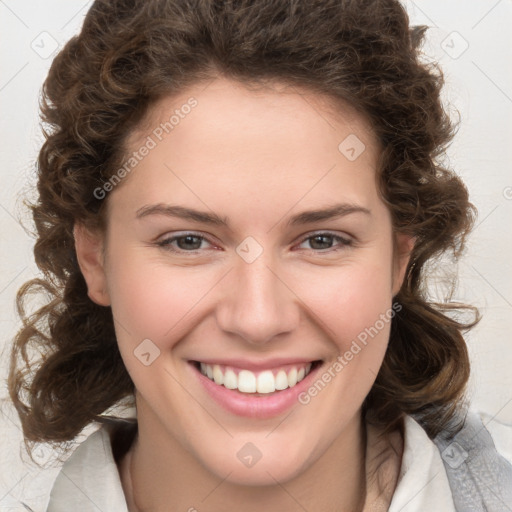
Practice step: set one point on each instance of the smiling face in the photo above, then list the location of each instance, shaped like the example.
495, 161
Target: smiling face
252, 283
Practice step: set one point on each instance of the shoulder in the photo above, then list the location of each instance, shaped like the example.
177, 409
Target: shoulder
478, 462
501, 434
469, 471
89, 479
422, 481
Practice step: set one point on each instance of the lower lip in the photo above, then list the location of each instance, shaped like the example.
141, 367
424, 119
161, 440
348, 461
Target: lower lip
252, 406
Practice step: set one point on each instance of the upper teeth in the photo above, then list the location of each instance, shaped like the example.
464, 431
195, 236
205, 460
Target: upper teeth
249, 382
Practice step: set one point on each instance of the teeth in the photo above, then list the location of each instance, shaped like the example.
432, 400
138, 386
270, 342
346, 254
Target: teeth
281, 380
292, 377
230, 380
265, 382
248, 382
218, 376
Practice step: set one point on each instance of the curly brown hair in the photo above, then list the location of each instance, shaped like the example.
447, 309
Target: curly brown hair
131, 53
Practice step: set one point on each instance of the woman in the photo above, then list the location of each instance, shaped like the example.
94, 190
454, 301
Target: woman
237, 201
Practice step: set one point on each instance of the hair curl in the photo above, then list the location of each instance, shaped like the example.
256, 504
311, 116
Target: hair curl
129, 54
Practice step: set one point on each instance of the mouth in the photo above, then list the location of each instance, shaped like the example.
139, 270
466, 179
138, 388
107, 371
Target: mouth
256, 383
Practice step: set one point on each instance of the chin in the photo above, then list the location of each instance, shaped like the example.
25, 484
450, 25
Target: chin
265, 471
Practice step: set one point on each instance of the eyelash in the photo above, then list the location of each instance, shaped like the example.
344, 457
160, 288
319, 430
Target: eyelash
343, 242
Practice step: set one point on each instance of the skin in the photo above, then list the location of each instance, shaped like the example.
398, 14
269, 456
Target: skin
256, 157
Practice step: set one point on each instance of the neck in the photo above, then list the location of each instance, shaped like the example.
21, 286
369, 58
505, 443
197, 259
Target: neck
158, 474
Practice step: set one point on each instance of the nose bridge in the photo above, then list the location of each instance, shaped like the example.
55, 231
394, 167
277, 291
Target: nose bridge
258, 305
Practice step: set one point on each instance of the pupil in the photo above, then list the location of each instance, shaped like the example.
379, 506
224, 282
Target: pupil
187, 240
320, 237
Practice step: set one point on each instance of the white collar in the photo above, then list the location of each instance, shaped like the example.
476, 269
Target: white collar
422, 481
89, 479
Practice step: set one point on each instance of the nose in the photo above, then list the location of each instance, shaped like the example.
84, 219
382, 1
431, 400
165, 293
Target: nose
257, 303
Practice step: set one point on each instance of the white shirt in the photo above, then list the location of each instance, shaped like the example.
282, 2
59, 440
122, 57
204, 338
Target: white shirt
88, 481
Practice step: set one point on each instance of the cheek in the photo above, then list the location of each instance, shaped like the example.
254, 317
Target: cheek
350, 299
157, 303
153, 300
354, 307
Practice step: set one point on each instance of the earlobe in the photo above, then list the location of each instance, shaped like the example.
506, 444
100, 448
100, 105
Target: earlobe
89, 254
404, 244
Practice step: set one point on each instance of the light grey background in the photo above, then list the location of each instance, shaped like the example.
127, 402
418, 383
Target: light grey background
469, 40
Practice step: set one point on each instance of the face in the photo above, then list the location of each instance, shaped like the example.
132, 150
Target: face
253, 288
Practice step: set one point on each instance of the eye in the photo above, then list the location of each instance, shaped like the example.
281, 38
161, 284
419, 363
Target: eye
322, 242
187, 242
192, 242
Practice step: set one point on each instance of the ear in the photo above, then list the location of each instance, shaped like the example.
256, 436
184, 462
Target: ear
403, 246
89, 252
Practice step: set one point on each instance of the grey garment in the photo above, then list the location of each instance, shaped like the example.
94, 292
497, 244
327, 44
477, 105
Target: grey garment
480, 478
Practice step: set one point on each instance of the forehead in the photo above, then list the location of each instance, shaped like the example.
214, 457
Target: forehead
241, 144
223, 103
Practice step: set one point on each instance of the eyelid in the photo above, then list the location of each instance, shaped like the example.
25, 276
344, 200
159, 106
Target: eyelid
166, 240
179, 234
344, 241
346, 237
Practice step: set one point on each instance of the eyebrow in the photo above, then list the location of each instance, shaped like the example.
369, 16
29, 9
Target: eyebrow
306, 217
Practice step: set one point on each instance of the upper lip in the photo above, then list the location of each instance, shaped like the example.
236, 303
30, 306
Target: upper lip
258, 365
